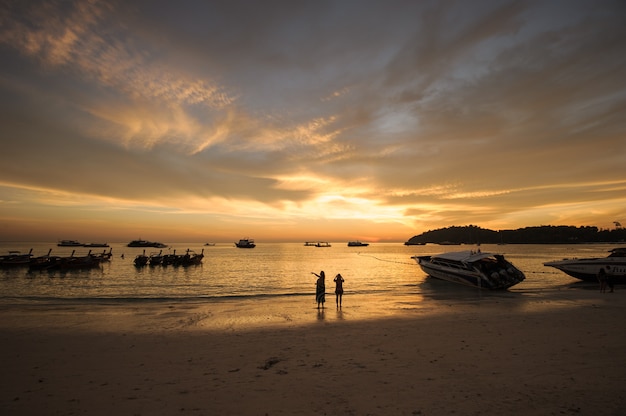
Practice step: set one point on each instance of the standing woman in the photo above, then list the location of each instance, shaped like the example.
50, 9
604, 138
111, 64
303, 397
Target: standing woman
338, 289
320, 288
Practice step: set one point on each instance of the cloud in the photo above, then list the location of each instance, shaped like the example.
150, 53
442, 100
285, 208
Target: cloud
409, 111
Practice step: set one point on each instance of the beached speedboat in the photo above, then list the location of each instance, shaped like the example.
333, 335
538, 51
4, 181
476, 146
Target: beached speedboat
472, 268
588, 268
357, 244
246, 243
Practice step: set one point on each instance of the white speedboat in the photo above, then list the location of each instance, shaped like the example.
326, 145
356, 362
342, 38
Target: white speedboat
588, 268
472, 268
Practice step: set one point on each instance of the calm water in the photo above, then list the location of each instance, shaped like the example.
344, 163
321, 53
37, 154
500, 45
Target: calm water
272, 270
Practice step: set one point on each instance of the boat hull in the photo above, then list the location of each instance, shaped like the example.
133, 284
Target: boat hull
479, 270
588, 269
451, 276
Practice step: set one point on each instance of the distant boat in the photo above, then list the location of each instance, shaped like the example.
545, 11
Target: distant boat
141, 259
104, 256
145, 243
209, 244
588, 268
192, 258
409, 243
156, 259
16, 258
246, 243
82, 262
322, 244
95, 245
69, 243
357, 244
310, 243
44, 262
170, 259
472, 268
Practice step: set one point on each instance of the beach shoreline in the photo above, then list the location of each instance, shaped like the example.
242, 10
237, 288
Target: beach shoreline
495, 355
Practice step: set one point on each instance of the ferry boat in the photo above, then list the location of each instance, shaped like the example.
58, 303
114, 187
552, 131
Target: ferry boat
69, 243
588, 269
96, 245
357, 244
472, 268
145, 243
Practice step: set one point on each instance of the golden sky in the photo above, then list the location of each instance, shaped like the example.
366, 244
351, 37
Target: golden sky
308, 120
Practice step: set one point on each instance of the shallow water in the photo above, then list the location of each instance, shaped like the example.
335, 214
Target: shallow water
277, 270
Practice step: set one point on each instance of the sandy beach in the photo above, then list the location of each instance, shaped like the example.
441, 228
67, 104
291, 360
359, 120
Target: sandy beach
544, 355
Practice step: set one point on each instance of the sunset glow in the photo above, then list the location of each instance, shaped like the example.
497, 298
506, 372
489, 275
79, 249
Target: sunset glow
297, 121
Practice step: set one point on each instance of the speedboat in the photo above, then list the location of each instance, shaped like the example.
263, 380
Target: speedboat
246, 243
357, 244
472, 268
588, 268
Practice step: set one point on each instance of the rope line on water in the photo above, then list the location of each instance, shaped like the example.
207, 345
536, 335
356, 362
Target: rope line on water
388, 261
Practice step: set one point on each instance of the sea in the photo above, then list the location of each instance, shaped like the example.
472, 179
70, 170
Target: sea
277, 271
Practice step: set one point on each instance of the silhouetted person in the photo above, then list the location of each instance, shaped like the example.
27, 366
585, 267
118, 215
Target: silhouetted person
338, 289
320, 288
609, 279
602, 279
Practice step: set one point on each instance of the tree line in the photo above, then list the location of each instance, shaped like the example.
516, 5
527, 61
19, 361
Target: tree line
544, 234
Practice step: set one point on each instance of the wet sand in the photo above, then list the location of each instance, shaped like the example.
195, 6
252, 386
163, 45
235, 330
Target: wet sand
555, 354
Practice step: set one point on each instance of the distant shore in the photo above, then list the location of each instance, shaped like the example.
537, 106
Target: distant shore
545, 234
497, 355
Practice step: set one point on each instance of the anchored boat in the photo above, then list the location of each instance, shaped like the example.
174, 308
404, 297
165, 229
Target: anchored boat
357, 244
246, 243
145, 243
614, 265
472, 268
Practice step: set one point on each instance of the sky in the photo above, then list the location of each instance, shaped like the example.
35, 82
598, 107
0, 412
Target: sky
308, 120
